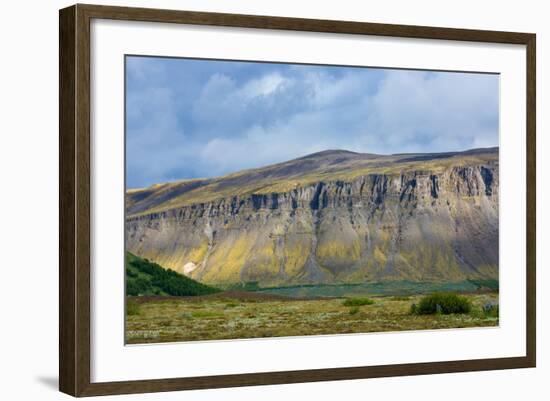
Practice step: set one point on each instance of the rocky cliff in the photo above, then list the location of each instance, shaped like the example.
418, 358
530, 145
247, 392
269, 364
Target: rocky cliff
345, 217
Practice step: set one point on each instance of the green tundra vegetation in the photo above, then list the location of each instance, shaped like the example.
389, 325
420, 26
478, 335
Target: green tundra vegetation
233, 315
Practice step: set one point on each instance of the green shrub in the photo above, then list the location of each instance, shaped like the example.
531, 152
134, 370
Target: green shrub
358, 301
353, 310
444, 303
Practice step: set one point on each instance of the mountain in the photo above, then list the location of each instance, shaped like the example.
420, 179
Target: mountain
332, 216
146, 278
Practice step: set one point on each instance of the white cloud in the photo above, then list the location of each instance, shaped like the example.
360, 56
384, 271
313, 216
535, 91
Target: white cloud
416, 111
263, 86
238, 122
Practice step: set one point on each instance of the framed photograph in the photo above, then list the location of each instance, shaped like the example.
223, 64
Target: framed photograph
250, 200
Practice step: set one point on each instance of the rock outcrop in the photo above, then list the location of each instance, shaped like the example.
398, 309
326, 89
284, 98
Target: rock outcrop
428, 221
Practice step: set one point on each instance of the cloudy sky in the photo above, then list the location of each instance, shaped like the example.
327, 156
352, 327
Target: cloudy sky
199, 118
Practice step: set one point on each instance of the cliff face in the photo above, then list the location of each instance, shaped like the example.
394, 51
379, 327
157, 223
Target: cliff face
437, 224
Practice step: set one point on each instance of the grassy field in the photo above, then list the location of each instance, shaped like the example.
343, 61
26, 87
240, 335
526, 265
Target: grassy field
233, 315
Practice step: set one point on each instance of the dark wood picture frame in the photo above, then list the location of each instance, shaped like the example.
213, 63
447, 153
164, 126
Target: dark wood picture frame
74, 199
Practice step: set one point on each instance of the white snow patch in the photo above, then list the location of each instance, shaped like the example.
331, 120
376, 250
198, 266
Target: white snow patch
189, 267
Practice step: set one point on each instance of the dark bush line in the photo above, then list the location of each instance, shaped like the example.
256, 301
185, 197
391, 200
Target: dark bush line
168, 281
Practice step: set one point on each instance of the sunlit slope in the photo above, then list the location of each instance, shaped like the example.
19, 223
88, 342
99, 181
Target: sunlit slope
330, 217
